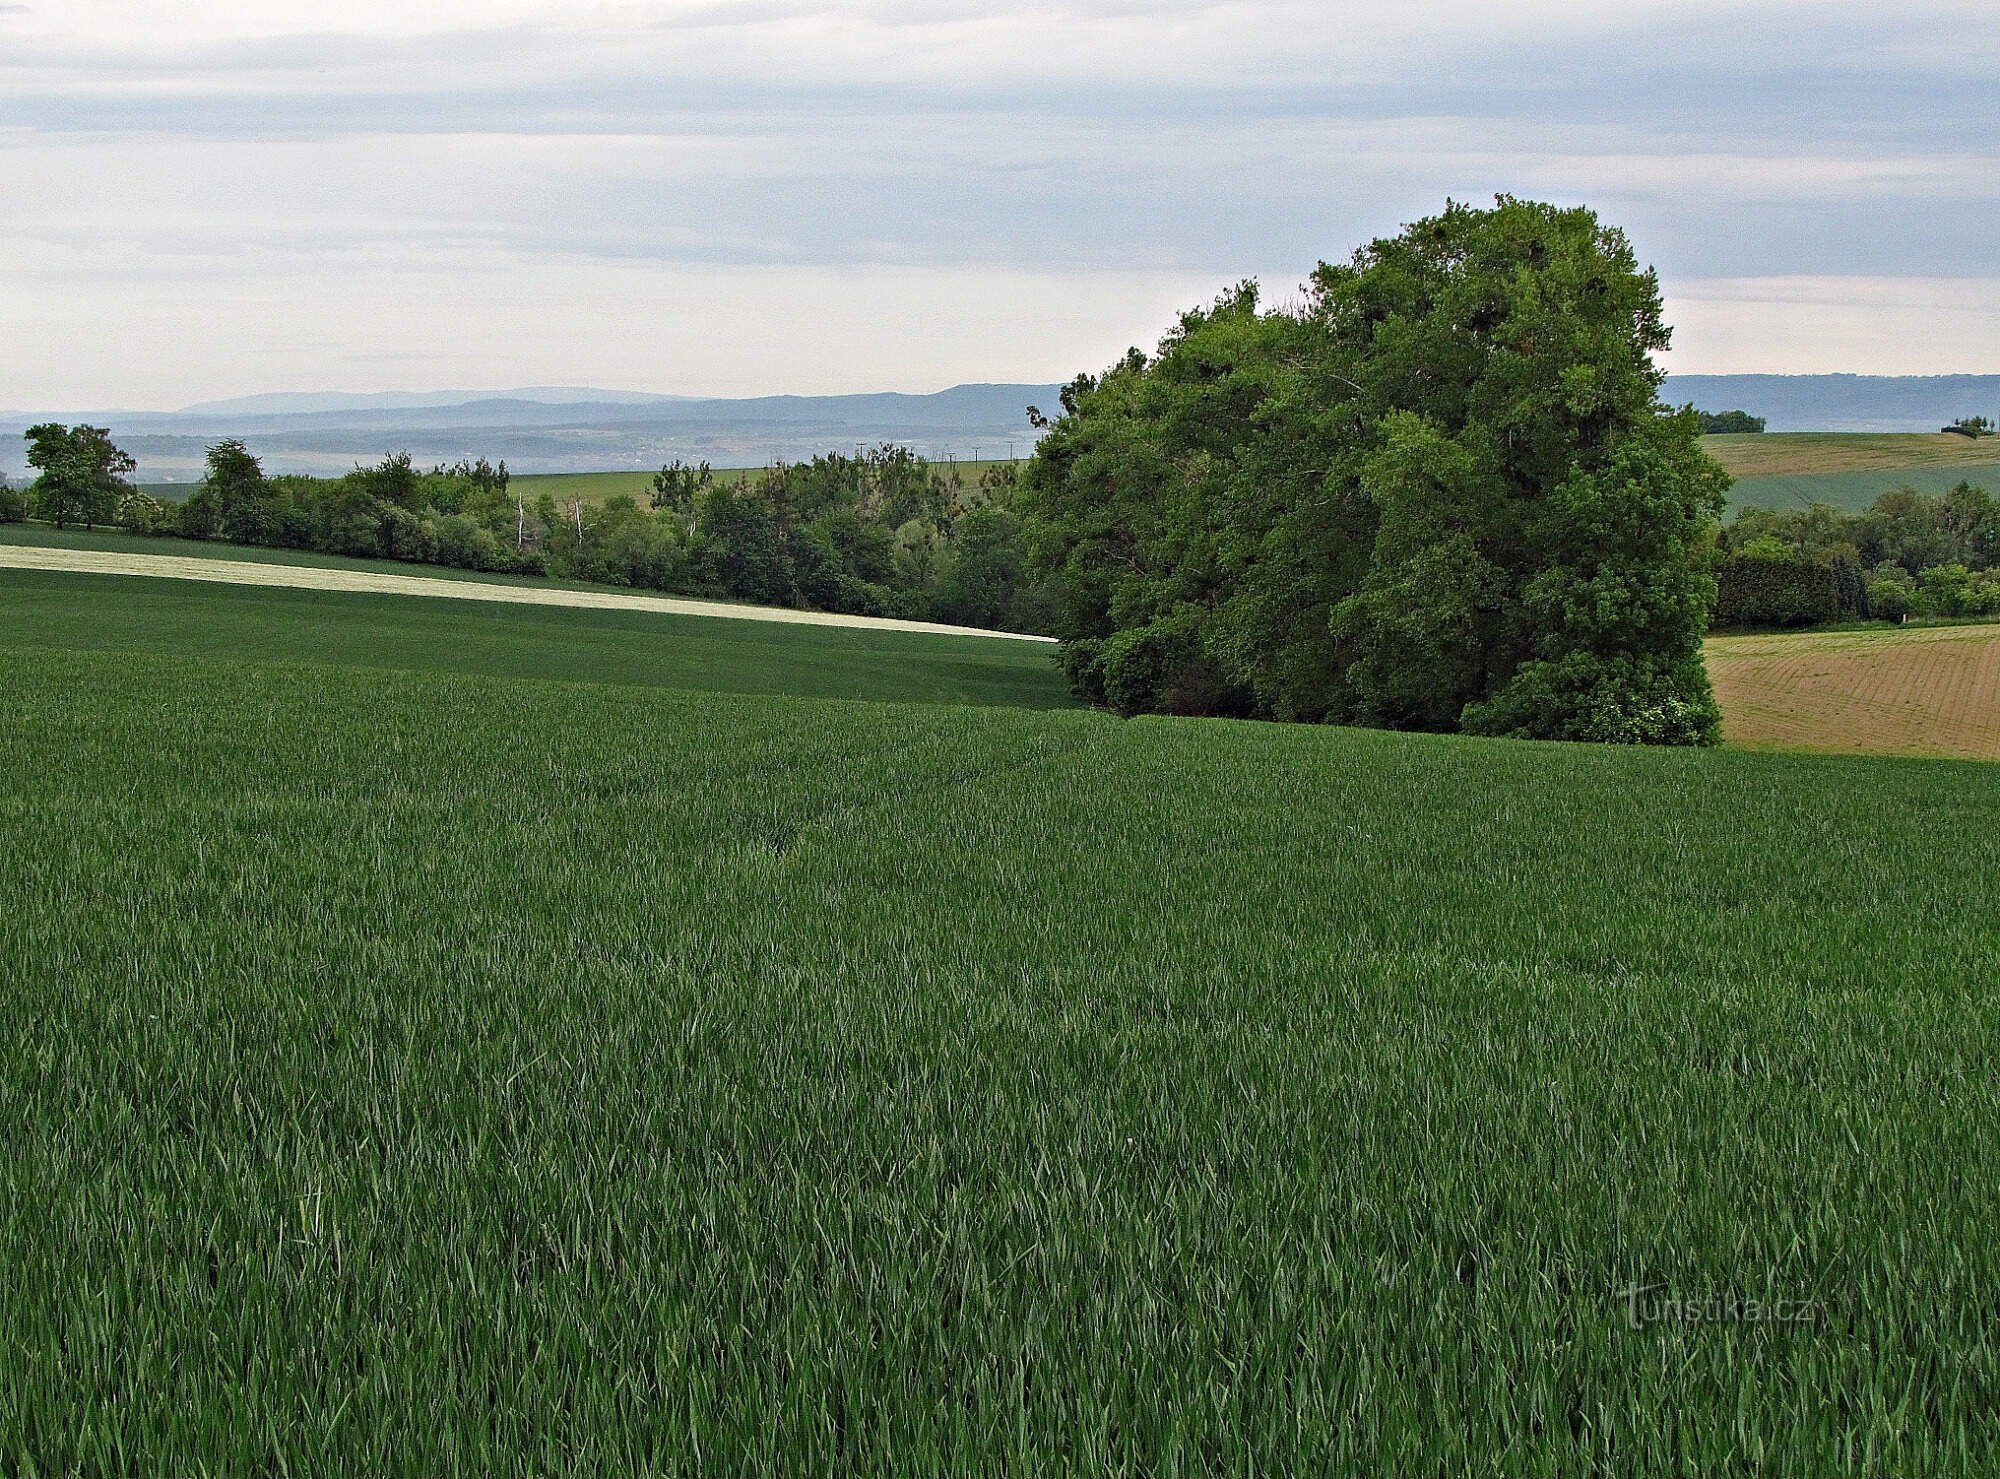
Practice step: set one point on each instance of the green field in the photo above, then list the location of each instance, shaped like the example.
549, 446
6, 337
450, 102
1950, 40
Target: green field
1848, 470
1851, 492
418, 1062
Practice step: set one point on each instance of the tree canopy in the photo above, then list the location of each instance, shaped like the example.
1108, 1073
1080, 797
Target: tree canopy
83, 474
1439, 494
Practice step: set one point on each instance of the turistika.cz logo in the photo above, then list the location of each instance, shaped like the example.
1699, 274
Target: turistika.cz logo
1652, 1304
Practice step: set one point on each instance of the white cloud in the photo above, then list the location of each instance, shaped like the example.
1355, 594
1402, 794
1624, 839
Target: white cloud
478, 318
1810, 325
385, 182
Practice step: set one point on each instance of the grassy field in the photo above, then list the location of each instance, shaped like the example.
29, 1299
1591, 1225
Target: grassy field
1848, 470
1913, 691
1791, 453
123, 614
420, 1063
1851, 492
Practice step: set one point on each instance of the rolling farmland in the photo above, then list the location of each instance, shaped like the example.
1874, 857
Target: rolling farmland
1893, 691
1848, 470
420, 1061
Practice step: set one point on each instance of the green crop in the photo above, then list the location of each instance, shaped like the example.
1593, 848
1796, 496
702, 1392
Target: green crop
462, 1070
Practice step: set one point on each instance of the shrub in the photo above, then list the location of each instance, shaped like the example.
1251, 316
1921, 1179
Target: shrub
1889, 600
466, 544
13, 503
198, 517
144, 514
1761, 587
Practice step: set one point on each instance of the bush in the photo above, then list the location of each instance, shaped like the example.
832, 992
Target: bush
142, 513
1889, 600
13, 503
1953, 590
466, 544
1761, 587
1161, 668
198, 517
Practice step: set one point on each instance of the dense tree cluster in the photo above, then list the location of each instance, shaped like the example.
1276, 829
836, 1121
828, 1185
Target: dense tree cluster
1908, 553
1729, 423
883, 533
82, 474
1440, 494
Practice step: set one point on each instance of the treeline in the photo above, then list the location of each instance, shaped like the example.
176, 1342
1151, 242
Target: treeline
1728, 423
1907, 554
883, 533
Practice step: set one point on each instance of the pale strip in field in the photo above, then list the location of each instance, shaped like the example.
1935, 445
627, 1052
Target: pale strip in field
308, 577
1913, 691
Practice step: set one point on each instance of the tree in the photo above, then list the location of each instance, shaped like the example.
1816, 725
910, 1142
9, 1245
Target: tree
736, 548
1729, 423
13, 506
83, 474
1441, 495
677, 487
235, 486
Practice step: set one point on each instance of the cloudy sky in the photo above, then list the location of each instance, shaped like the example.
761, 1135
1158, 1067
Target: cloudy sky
202, 198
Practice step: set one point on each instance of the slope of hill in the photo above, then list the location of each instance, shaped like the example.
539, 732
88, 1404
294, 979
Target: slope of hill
1897, 691
553, 436
1849, 470
647, 1077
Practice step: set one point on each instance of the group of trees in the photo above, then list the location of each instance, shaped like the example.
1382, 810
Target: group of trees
881, 533
1441, 494
1908, 553
1971, 426
82, 476
1728, 423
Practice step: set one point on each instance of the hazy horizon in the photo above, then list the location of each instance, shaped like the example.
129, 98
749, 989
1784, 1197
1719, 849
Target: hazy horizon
750, 197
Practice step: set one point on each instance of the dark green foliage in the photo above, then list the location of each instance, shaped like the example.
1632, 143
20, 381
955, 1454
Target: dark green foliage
13, 503
1953, 590
82, 474
677, 488
241, 499
881, 534
1850, 587
1890, 600
1971, 426
1728, 423
1775, 587
1442, 495
446, 1073
1937, 552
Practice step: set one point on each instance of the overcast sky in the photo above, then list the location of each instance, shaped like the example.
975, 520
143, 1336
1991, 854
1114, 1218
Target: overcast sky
202, 198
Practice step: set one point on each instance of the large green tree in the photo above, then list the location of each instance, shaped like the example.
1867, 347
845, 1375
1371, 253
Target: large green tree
1440, 494
83, 473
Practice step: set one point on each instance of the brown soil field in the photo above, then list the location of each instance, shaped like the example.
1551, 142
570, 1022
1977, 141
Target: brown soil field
1774, 454
1899, 691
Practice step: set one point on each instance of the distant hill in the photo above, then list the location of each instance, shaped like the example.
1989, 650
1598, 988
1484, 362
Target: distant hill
404, 400
1842, 402
577, 429
554, 431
